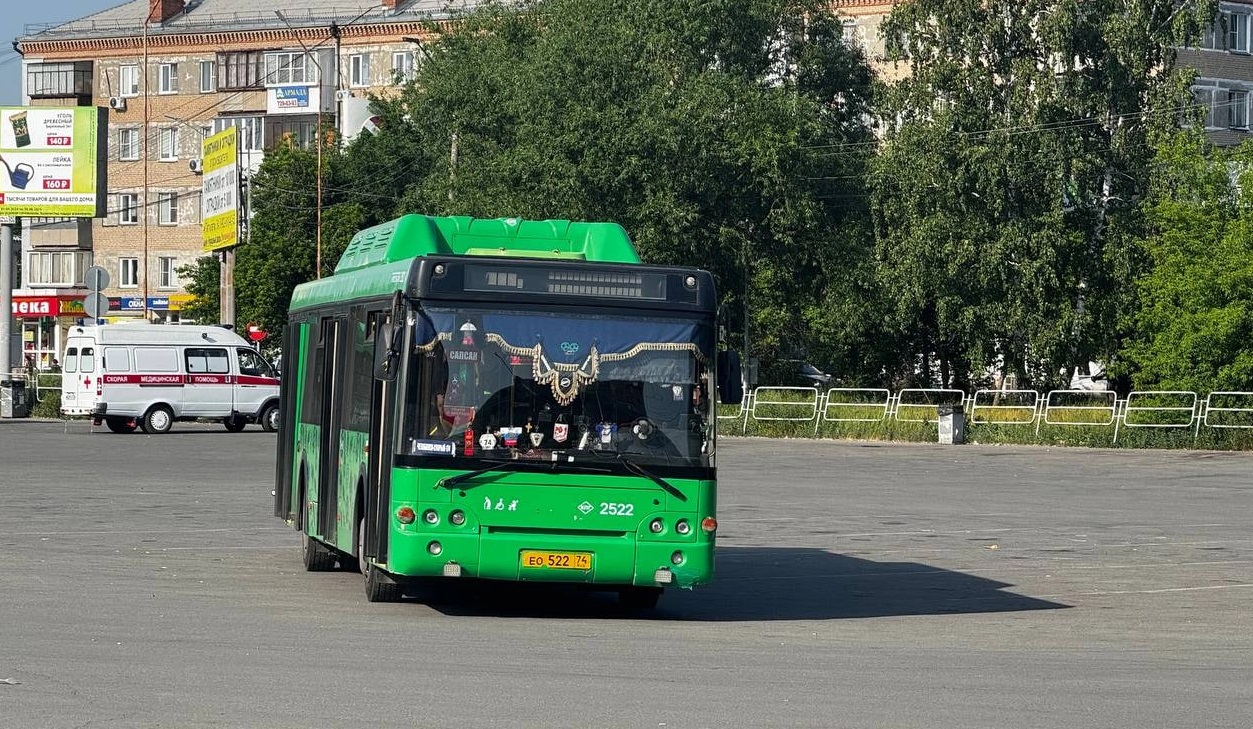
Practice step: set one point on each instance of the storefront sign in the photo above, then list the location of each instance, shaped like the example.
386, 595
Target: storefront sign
136, 303
33, 307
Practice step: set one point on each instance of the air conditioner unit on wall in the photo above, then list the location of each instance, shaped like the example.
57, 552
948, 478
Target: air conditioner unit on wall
195, 165
117, 103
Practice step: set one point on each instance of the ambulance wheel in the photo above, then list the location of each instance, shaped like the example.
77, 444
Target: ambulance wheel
269, 418
235, 423
121, 425
158, 420
378, 586
316, 556
639, 598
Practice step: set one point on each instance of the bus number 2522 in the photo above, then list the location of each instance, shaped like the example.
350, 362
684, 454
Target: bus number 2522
612, 509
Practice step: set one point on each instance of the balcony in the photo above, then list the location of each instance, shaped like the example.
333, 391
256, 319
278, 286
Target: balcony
60, 81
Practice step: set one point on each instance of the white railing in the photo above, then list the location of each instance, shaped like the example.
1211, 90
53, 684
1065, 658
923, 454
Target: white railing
1162, 409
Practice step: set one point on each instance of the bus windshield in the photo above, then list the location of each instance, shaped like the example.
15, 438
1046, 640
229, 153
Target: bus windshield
560, 387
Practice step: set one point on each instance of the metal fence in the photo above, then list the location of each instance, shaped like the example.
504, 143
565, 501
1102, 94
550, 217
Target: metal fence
1161, 409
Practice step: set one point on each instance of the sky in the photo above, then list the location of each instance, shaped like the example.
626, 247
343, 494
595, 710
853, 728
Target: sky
14, 18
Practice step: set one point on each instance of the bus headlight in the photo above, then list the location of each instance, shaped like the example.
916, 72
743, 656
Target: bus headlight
430, 517
434, 547
657, 526
457, 518
683, 527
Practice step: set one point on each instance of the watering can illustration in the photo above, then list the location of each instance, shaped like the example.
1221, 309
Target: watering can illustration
20, 174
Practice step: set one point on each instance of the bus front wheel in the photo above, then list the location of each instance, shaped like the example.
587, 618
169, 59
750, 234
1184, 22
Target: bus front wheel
315, 555
378, 587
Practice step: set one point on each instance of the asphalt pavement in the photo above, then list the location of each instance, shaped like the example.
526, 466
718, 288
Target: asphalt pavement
145, 583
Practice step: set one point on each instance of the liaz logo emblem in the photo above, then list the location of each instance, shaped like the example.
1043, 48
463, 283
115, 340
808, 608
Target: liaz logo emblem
570, 347
586, 508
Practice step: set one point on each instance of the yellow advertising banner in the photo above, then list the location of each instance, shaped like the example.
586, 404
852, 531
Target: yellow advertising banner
219, 157
52, 161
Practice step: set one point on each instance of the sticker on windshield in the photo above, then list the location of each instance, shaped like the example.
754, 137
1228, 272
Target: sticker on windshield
536, 438
433, 448
510, 436
561, 431
487, 441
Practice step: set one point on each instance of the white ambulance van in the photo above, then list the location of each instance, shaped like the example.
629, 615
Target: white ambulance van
140, 375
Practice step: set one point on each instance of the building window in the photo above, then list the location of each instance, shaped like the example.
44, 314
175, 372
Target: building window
1237, 31
128, 277
167, 81
128, 144
60, 268
402, 66
359, 70
250, 138
167, 276
1238, 109
208, 76
240, 70
167, 208
128, 80
1203, 97
167, 144
127, 208
287, 68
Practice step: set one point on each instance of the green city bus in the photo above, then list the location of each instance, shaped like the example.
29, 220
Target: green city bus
503, 399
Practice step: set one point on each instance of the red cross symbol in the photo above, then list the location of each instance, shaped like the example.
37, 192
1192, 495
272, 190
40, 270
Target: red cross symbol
86, 382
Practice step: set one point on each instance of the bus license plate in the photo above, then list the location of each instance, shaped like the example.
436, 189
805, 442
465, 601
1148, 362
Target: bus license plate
556, 560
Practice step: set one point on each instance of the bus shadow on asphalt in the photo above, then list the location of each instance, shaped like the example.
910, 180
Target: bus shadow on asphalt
792, 583
760, 583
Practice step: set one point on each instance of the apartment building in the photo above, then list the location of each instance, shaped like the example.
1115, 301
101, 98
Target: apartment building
172, 72
1224, 73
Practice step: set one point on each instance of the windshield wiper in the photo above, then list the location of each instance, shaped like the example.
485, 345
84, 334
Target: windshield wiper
639, 470
449, 481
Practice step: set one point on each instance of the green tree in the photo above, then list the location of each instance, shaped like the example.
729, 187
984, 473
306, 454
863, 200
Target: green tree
281, 250
203, 278
1008, 194
1195, 321
704, 128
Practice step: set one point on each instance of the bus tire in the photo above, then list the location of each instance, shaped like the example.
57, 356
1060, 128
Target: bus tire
269, 418
235, 423
639, 598
316, 555
121, 425
158, 419
378, 586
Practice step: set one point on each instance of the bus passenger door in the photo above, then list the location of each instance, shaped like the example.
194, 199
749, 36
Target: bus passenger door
377, 495
334, 360
289, 400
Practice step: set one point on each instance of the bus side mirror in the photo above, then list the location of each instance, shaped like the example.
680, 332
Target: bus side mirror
386, 356
730, 378
387, 342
